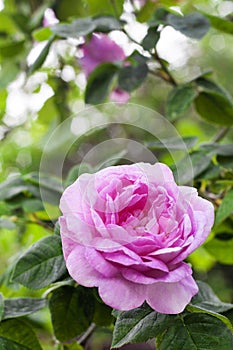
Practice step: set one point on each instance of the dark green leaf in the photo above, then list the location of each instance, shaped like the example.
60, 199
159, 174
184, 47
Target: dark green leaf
173, 143
130, 77
208, 85
200, 161
197, 332
103, 314
206, 299
216, 148
17, 335
215, 108
71, 310
1, 306
219, 23
9, 71
42, 56
106, 24
41, 265
179, 100
138, 325
151, 39
44, 180
18, 307
99, 83
225, 209
79, 27
105, 7
222, 250
194, 25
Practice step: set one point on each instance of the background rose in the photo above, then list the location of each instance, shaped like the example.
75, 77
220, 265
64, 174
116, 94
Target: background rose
127, 230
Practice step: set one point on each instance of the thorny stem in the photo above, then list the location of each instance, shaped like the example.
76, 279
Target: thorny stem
220, 134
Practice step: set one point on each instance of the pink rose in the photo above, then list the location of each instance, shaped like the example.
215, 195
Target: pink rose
101, 49
127, 229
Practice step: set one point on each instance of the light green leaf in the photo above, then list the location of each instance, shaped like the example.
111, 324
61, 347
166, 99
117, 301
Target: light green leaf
130, 77
41, 265
196, 332
194, 25
71, 311
99, 83
221, 24
17, 335
179, 100
17, 307
222, 250
215, 108
225, 209
42, 34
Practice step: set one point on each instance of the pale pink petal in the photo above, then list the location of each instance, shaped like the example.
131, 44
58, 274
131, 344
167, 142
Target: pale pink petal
97, 261
171, 298
81, 271
122, 294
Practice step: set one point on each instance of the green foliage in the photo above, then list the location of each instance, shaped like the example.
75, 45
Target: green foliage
18, 307
71, 310
41, 265
179, 100
202, 156
99, 83
17, 335
130, 78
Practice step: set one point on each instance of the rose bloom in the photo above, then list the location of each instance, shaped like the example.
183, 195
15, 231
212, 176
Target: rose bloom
127, 229
101, 49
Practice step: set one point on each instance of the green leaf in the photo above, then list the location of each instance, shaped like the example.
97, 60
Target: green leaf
71, 311
173, 143
151, 39
216, 148
32, 205
41, 265
79, 27
130, 77
221, 24
200, 161
105, 7
42, 34
106, 24
42, 56
138, 325
76, 171
14, 186
222, 250
179, 100
103, 314
8, 73
225, 209
17, 335
208, 85
99, 83
207, 302
194, 25
1, 306
196, 332
214, 108
18, 307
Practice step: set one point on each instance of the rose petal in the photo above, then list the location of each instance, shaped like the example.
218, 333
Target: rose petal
171, 298
122, 294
